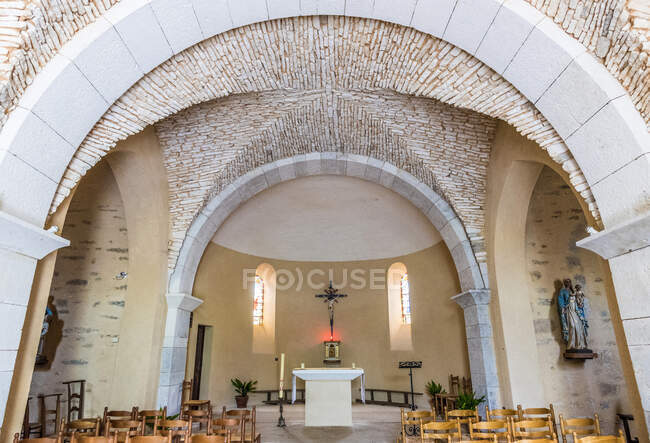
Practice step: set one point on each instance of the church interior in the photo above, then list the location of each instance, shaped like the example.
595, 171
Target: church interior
324, 220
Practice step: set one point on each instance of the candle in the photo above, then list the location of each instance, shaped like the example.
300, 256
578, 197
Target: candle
281, 366
353, 366
281, 393
302, 366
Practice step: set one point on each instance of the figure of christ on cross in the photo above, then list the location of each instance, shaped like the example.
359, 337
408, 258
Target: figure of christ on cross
330, 297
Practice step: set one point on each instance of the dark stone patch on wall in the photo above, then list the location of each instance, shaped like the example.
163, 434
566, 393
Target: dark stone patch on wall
545, 301
77, 282
111, 317
121, 287
119, 303
540, 262
542, 325
573, 261
607, 389
78, 362
73, 257
97, 303
121, 250
536, 275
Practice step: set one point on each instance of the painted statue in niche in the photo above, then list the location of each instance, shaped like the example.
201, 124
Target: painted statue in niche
573, 308
41, 359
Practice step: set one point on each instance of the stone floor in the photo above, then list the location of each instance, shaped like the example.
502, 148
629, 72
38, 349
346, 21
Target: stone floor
371, 424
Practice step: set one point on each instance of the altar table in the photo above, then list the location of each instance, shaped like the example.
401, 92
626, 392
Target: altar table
328, 394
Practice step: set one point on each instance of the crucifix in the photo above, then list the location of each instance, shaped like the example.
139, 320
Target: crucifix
330, 297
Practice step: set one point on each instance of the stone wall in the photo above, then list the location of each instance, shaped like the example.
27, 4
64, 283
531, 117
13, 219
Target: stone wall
87, 300
209, 145
322, 53
555, 221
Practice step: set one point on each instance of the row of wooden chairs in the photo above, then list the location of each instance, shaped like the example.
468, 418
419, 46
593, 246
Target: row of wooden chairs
199, 438
507, 422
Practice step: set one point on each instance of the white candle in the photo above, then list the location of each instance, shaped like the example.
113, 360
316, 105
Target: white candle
302, 366
281, 367
353, 366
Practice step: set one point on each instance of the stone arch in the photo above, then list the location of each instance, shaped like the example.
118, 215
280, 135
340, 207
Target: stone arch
586, 105
435, 208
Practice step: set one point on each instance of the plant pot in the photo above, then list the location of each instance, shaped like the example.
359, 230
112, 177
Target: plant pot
242, 401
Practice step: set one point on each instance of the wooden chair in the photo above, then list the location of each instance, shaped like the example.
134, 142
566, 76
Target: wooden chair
454, 384
87, 427
530, 429
253, 436
119, 415
579, 426
151, 417
487, 430
50, 416
440, 430
58, 439
200, 416
466, 385
537, 413
31, 428
500, 414
124, 428
536, 440
244, 415
186, 392
464, 416
178, 429
600, 438
95, 439
411, 420
149, 439
76, 399
210, 438
227, 426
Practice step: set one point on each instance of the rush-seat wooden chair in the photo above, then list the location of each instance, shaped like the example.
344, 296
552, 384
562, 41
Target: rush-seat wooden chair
124, 428
411, 421
465, 416
500, 414
58, 439
200, 438
600, 438
536, 440
537, 413
179, 429
88, 439
200, 416
150, 439
579, 426
118, 415
150, 419
531, 429
227, 426
89, 427
487, 430
440, 430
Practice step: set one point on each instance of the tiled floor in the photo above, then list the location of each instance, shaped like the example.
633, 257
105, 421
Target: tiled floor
371, 424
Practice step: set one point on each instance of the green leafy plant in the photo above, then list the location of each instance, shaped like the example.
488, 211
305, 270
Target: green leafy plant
469, 401
434, 388
243, 387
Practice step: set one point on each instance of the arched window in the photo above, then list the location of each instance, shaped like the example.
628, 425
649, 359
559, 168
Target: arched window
406, 299
399, 308
258, 301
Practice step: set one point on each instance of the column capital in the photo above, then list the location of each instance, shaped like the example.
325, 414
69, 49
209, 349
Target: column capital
21, 237
472, 297
184, 302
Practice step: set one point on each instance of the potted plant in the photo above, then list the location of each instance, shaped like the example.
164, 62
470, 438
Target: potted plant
469, 401
243, 388
432, 389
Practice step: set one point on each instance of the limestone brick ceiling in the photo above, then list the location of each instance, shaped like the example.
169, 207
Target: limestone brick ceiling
310, 54
616, 31
209, 145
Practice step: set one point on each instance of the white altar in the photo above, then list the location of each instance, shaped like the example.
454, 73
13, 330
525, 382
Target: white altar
328, 394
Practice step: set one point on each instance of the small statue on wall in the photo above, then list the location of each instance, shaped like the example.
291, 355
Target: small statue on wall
573, 308
41, 359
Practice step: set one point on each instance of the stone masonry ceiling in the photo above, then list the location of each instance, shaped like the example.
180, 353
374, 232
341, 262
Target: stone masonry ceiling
615, 31
313, 54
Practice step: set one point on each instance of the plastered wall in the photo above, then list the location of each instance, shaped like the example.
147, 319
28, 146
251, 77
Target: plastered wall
361, 322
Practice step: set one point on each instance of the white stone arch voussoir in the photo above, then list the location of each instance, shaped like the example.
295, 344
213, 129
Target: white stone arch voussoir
434, 207
584, 103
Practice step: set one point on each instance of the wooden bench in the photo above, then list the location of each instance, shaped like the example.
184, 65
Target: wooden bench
389, 397
272, 396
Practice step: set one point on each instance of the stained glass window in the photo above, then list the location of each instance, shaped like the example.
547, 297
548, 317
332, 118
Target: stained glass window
258, 301
406, 299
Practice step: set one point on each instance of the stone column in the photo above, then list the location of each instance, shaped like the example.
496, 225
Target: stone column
627, 248
480, 345
174, 350
21, 246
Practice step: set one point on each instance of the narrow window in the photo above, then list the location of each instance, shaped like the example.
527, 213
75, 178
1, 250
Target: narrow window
406, 299
258, 301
